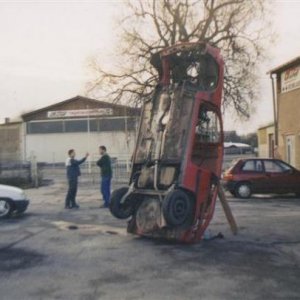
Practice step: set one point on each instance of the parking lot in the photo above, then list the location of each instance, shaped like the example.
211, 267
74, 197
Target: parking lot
52, 253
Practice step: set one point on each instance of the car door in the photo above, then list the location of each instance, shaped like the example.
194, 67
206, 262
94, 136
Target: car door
278, 177
290, 178
253, 172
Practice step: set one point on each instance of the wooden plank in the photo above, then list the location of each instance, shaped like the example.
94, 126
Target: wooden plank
227, 210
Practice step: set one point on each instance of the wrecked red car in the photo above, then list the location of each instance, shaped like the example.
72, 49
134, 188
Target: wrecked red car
178, 155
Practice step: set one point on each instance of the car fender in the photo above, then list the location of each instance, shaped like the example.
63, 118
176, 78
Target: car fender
241, 182
10, 192
11, 201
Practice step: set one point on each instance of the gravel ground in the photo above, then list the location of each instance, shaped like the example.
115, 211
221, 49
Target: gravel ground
85, 254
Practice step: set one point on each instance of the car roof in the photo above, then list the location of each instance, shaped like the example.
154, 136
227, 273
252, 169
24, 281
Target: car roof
259, 158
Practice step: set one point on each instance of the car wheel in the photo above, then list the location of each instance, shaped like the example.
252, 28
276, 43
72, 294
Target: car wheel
6, 208
243, 190
178, 208
119, 207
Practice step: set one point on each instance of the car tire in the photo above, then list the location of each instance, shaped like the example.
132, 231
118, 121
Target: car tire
178, 209
119, 209
6, 208
243, 190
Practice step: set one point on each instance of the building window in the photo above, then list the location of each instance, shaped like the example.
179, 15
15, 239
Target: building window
131, 124
45, 127
112, 124
95, 125
76, 126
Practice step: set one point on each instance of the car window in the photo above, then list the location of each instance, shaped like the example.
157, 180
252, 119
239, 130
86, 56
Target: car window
274, 167
252, 166
208, 129
284, 166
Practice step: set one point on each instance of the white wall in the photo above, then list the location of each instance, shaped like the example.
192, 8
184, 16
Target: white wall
53, 147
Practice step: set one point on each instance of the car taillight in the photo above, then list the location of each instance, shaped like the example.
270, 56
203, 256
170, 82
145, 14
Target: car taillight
228, 176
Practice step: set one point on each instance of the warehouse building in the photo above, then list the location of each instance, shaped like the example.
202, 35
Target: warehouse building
80, 123
287, 110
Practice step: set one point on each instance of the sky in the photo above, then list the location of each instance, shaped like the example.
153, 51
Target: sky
45, 46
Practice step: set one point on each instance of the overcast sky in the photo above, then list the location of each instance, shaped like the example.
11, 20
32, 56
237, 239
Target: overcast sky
45, 46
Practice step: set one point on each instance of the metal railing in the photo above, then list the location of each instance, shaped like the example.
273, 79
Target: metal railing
37, 173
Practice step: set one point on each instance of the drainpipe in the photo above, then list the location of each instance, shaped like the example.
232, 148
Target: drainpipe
274, 110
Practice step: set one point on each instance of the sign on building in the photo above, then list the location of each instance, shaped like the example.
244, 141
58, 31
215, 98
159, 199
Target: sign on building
80, 113
290, 79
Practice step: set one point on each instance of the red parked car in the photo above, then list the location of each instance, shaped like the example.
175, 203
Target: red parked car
261, 176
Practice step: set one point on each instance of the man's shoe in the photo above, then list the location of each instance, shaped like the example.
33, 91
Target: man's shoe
104, 206
68, 207
75, 206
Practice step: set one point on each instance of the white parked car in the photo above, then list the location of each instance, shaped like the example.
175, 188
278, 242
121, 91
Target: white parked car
12, 200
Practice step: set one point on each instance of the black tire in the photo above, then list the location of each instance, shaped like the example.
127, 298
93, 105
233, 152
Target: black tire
243, 190
178, 209
124, 209
6, 208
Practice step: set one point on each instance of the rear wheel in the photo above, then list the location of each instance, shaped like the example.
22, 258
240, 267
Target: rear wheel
243, 190
6, 208
178, 208
120, 207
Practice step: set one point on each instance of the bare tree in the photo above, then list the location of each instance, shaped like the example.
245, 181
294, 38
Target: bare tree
238, 27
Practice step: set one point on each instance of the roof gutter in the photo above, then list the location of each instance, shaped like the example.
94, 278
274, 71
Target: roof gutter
275, 111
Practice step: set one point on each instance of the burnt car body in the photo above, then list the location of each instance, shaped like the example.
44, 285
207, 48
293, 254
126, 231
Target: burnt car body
178, 155
261, 176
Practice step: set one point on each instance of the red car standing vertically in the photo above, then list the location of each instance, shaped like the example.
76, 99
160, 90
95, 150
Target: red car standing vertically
179, 151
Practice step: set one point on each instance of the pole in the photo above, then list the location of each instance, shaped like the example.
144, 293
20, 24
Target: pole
88, 144
127, 141
275, 116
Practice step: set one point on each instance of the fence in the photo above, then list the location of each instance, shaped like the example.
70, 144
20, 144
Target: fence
34, 174
90, 172
20, 173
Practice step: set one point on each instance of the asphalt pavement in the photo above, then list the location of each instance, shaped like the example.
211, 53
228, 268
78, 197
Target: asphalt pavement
86, 254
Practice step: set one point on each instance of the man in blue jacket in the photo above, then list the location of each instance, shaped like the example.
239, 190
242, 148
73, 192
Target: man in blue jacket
104, 163
73, 171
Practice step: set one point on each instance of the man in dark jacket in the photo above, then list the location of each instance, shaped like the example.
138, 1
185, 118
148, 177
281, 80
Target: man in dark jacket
104, 163
73, 172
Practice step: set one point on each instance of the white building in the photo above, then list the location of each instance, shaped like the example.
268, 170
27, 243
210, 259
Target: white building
82, 124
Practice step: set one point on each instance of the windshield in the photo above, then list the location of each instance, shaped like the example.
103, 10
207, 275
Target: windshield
192, 66
198, 69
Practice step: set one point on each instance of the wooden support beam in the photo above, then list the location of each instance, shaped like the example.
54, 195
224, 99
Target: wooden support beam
227, 210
